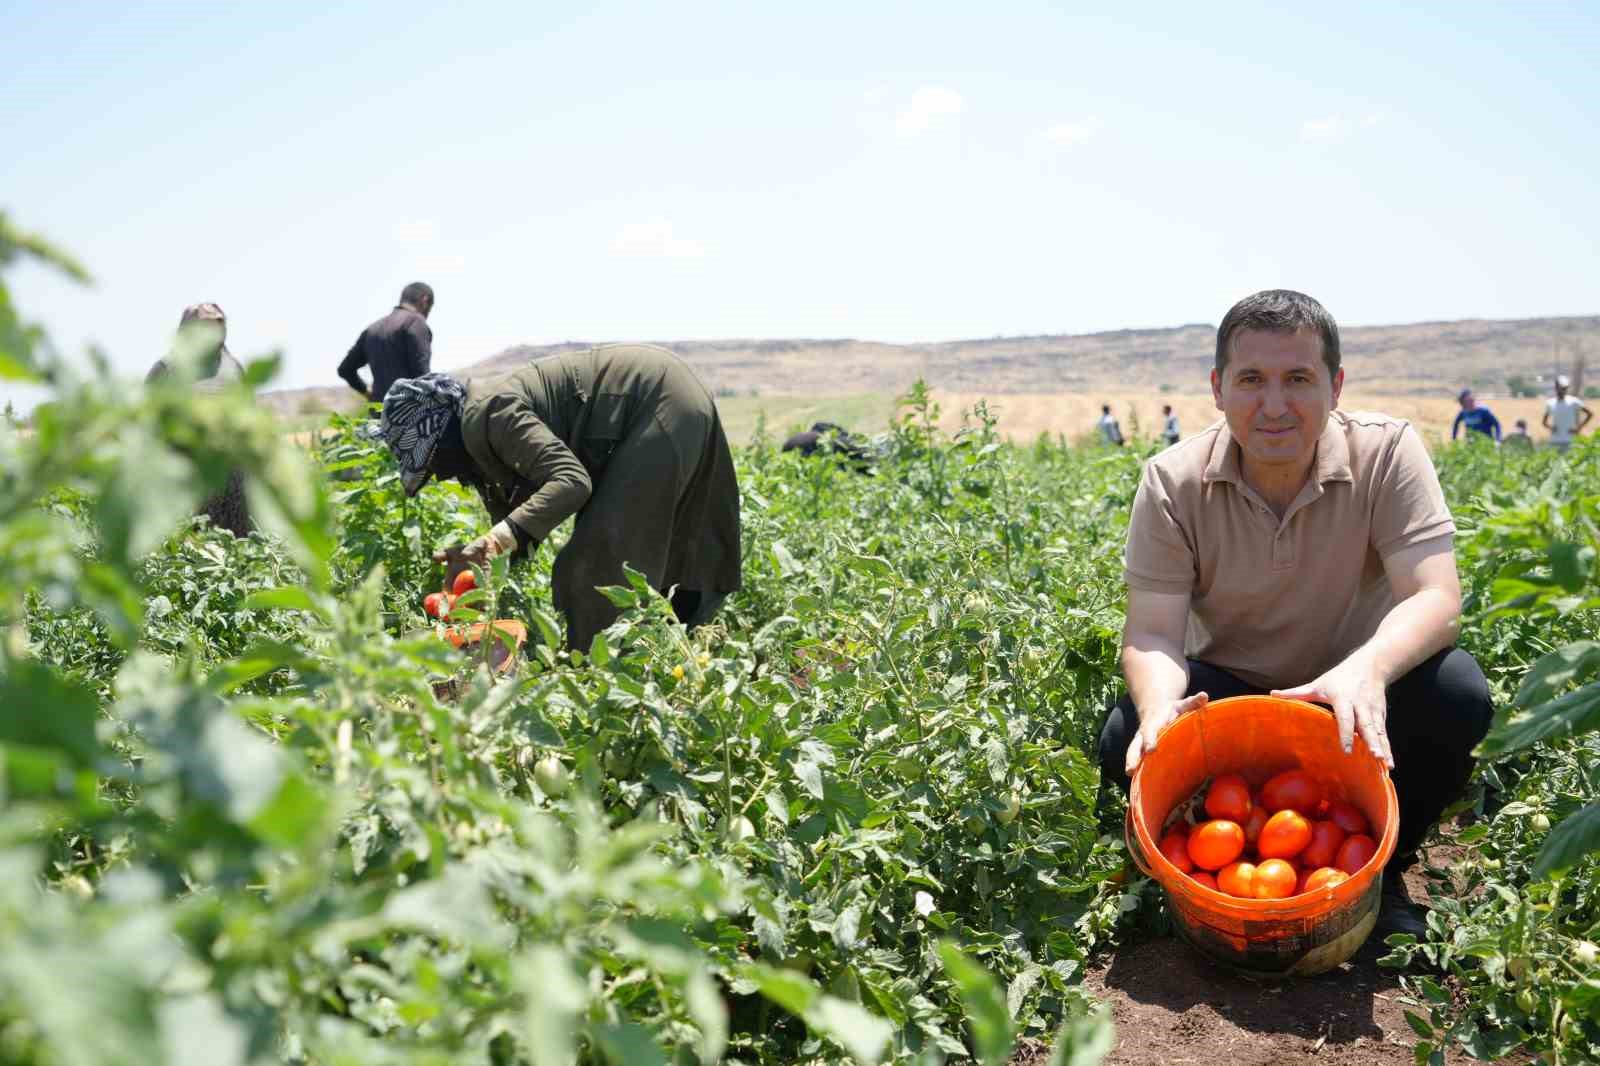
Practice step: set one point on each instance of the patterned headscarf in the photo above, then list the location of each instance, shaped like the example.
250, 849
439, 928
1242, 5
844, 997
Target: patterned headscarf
415, 414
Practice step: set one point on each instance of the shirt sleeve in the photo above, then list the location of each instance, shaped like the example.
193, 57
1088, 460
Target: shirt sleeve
1408, 505
1494, 424
1160, 553
1455, 426
525, 444
353, 361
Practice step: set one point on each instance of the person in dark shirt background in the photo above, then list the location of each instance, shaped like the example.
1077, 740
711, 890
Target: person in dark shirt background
1477, 419
398, 345
829, 438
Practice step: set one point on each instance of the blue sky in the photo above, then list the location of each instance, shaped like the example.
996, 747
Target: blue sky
893, 172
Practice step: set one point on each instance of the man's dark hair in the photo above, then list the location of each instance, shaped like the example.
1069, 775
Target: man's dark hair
1279, 311
1105, 408
417, 293
1166, 408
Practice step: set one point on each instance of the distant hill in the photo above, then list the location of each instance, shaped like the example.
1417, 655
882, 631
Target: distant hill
1417, 359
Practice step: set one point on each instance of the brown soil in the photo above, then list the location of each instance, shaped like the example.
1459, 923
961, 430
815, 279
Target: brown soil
1172, 1006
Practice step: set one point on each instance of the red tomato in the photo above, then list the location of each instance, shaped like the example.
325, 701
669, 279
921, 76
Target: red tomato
1229, 797
1237, 879
1292, 790
436, 604
1285, 835
1324, 877
1200, 877
1252, 828
1347, 816
1274, 879
1355, 853
1175, 846
1215, 844
1324, 847
465, 582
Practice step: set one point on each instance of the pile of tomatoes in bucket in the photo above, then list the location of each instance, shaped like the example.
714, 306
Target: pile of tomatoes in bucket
1283, 840
440, 604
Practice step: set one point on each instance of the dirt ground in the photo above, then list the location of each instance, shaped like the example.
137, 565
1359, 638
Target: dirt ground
1173, 1007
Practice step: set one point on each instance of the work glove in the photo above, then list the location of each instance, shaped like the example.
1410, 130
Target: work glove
459, 557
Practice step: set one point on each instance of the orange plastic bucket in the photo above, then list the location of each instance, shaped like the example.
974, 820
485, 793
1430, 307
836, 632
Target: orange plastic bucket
1257, 737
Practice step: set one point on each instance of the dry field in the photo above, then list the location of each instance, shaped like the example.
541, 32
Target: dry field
1025, 415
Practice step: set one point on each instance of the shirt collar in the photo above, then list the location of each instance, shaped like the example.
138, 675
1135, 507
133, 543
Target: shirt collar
1332, 463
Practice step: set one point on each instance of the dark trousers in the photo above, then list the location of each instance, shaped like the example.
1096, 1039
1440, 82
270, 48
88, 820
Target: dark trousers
1437, 714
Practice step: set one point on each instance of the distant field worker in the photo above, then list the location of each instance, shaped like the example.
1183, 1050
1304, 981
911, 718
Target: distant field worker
398, 345
1109, 430
1565, 416
623, 436
1476, 417
202, 335
1518, 438
1169, 426
829, 438
1299, 550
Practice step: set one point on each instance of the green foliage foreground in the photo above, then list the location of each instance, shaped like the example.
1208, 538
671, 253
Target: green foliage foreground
855, 820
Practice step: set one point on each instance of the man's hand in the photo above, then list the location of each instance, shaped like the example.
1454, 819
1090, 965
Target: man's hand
458, 557
1356, 692
1151, 725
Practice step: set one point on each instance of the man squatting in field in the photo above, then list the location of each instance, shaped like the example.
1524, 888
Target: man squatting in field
1293, 540
398, 345
623, 436
201, 344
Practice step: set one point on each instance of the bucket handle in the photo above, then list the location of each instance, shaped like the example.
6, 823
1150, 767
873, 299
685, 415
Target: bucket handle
1135, 852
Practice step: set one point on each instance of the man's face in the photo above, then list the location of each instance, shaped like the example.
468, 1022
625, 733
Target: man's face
1468, 402
1561, 391
1276, 393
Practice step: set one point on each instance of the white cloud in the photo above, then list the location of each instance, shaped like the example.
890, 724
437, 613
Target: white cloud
1335, 128
1071, 133
654, 240
928, 104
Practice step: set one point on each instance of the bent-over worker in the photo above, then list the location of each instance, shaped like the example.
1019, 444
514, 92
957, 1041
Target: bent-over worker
623, 436
1306, 552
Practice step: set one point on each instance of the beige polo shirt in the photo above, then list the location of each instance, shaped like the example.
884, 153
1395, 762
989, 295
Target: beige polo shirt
1278, 601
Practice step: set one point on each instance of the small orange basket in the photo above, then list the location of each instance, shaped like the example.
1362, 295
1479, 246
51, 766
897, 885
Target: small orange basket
1257, 737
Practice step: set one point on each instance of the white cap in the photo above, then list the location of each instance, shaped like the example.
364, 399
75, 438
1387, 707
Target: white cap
1561, 379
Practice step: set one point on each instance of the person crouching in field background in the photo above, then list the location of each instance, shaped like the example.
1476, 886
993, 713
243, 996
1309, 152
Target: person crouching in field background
1295, 541
623, 436
202, 338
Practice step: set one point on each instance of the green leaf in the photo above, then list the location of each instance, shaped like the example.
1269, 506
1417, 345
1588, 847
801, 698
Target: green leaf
860, 1032
285, 598
984, 1003
553, 996
629, 1044
1570, 564
259, 371
198, 1032
294, 816
1557, 670
1085, 1040
39, 710
14, 369
1573, 838
261, 659
143, 498
1419, 1024
1576, 712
